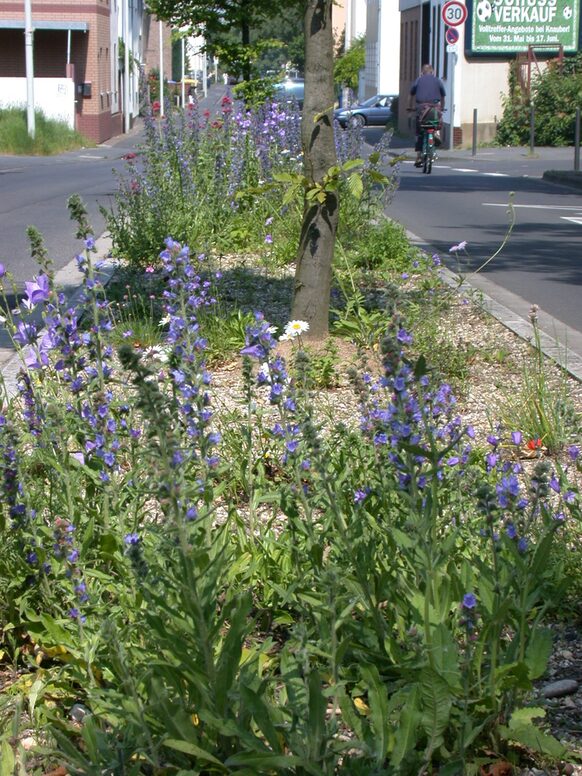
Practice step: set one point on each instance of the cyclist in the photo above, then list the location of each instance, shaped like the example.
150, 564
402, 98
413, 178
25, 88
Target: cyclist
430, 93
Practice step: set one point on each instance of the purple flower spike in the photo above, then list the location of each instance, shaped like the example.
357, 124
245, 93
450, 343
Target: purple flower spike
2, 270
516, 437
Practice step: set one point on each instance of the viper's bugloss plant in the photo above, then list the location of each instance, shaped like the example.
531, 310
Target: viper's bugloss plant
259, 588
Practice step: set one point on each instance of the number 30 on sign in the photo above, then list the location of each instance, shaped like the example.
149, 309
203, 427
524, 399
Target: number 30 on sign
454, 13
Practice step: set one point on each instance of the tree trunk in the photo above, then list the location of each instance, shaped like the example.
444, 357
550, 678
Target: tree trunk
246, 39
316, 244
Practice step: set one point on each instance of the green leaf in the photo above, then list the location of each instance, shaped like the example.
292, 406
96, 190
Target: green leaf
6, 759
355, 185
317, 709
378, 703
229, 661
523, 717
446, 657
187, 748
352, 164
522, 731
538, 652
406, 735
436, 707
260, 712
377, 177
264, 760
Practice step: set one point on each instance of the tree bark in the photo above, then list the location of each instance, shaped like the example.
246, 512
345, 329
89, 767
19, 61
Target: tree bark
316, 244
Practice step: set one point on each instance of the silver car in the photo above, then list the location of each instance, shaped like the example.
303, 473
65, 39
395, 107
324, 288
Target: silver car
374, 112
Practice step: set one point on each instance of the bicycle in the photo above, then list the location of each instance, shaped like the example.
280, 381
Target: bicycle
430, 122
429, 126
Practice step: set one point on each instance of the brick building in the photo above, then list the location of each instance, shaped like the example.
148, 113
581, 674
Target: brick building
79, 59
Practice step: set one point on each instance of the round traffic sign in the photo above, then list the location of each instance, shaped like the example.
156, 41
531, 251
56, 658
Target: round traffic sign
454, 13
452, 35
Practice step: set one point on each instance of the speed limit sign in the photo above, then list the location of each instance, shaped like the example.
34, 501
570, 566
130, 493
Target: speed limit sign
454, 13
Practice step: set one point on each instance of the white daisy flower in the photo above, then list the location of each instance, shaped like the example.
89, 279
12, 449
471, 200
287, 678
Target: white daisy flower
295, 328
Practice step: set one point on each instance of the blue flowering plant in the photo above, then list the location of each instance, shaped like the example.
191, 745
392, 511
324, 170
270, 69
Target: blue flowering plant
270, 590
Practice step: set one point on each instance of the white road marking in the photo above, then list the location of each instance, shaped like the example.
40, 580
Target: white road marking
465, 169
573, 219
86, 156
496, 174
534, 207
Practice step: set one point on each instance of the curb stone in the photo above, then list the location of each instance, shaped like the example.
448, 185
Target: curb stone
68, 279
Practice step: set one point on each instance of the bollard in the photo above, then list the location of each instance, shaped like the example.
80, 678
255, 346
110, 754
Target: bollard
531, 130
577, 142
474, 151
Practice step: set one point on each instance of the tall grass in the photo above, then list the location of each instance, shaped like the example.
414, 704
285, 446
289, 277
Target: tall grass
51, 137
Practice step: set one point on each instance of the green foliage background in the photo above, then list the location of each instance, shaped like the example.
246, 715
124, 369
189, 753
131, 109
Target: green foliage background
555, 94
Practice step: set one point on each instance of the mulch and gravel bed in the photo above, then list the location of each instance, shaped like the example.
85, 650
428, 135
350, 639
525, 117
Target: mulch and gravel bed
489, 384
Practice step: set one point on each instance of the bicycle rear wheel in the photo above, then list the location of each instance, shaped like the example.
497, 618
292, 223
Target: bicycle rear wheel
428, 162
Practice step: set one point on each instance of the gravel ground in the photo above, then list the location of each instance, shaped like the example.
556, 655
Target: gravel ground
496, 362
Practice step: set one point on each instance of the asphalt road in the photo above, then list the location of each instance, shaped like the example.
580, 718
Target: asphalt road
469, 200
463, 199
34, 191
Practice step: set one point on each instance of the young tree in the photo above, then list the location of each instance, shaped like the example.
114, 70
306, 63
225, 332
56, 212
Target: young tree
321, 204
218, 19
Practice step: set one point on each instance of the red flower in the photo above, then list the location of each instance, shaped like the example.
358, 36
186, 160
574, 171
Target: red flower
534, 444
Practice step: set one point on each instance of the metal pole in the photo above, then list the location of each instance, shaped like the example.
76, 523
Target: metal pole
531, 130
29, 56
474, 151
68, 47
452, 62
183, 71
125, 27
577, 141
205, 74
161, 30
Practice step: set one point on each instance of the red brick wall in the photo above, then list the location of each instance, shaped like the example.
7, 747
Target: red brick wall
90, 54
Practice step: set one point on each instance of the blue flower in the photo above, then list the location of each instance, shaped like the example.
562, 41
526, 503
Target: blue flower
469, 601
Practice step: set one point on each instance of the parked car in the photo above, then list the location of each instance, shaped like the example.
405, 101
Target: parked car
291, 90
374, 112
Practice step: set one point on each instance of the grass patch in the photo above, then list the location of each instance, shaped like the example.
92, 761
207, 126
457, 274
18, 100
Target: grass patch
51, 137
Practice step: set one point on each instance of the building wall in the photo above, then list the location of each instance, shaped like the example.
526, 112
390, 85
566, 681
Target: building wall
94, 55
475, 83
338, 18
382, 48
151, 45
55, 97
410, 25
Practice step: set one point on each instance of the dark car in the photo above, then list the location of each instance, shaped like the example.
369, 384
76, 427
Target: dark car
291, 90
374, 112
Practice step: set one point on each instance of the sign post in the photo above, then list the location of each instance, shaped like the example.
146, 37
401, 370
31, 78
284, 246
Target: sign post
453, 14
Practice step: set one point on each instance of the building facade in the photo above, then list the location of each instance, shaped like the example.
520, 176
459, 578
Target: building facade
80, 61
382, 47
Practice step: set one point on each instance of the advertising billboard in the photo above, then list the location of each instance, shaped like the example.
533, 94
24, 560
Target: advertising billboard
510, 26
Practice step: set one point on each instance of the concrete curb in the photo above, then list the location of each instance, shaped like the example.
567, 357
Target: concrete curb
564, 177
68, 280
551, 346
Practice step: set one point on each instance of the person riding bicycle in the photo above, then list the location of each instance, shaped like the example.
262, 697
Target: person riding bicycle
430, 94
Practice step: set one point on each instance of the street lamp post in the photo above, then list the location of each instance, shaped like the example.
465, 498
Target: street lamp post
29, 50
161, 31
125, 27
